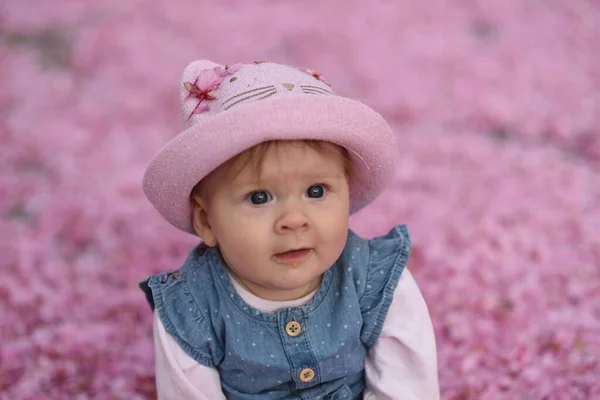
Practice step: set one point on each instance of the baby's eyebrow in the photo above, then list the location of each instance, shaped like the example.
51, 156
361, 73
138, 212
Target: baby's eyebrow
266, 180
316, 176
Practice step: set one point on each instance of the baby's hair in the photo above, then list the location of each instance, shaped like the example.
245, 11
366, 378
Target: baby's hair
255, 156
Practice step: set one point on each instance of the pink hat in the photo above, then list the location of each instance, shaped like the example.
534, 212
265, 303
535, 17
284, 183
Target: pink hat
227, 110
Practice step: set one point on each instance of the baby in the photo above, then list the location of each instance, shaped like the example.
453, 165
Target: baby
281, 300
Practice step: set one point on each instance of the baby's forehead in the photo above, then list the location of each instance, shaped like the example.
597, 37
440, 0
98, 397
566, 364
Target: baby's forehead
282, 168
279, 162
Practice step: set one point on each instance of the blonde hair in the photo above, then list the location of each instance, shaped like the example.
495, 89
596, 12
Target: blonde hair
255, 156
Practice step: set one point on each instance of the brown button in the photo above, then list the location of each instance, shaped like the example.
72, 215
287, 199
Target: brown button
307, 375
293, 328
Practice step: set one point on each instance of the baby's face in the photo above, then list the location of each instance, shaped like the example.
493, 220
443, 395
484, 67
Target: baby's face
279, 230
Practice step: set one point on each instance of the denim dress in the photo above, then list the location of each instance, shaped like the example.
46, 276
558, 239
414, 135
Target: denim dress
315, 351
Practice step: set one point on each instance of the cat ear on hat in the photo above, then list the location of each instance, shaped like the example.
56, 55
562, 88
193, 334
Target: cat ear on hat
193, 69
198, 80
192, 72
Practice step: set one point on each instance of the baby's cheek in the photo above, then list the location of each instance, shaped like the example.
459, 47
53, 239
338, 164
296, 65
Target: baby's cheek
336, 240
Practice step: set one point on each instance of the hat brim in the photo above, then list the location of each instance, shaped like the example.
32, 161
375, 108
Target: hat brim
194, 153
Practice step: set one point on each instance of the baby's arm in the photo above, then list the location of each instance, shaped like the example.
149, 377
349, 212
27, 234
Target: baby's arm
178, 376
403, 362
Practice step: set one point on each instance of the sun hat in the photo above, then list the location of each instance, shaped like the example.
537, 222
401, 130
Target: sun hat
229, 109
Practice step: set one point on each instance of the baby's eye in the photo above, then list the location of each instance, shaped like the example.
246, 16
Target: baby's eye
316, 191
258, 198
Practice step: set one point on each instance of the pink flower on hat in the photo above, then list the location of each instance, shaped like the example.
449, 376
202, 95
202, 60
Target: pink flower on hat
228, 70
317, 75
203, 88
206, 84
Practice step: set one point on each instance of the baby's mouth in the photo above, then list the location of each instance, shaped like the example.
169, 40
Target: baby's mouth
292, 256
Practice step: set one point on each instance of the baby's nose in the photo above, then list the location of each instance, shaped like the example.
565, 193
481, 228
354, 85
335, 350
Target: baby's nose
291, 221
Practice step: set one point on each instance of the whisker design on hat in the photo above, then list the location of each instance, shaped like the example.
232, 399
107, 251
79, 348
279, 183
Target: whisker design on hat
314, 90
268, 90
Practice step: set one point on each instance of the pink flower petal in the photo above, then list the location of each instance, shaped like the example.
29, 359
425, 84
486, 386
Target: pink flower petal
228, 71
208, 80
201, 108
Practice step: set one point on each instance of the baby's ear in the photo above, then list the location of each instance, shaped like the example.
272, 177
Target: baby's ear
200, 221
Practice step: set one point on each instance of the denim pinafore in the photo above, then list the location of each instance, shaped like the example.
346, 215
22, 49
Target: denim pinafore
315, 351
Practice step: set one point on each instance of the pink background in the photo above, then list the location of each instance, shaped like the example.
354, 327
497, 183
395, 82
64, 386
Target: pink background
496, 104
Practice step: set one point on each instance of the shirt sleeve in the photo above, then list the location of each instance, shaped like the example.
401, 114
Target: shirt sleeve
403, 362
178, 376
